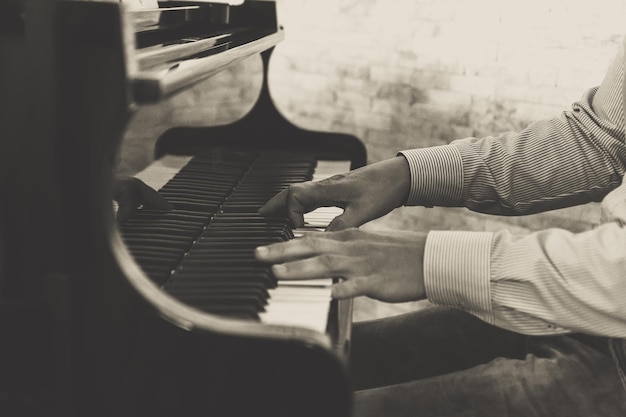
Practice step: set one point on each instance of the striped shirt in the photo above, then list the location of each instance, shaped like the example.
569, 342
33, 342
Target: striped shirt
551, 281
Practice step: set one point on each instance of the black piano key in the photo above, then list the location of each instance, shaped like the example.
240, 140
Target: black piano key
243, 232
175, 286
243, 309
247, 305
149, 236
251, 227
160, 230
206, 176
253, 224
226, 276
198, 194
242, 313
227, 273
154, 249
220, 297
145, 224
209, 208
157, 238
206, 182
176, 214
236, 300
247, 217
192, 261
165, 254
240, 209
258, 287
158, 258
232, 255
214, 240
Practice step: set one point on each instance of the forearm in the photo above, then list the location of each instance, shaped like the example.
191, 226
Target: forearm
570, 160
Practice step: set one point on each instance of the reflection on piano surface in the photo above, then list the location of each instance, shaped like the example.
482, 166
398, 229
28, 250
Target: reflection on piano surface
169, 313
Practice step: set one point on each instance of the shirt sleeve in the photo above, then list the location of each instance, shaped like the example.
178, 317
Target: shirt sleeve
574, 158
547, 282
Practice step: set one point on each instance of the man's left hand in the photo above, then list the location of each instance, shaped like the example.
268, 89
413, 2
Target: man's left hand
131, 193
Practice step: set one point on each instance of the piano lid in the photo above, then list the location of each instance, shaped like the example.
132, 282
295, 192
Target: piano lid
182, 42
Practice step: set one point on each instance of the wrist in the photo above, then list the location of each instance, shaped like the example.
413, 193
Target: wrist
402, 177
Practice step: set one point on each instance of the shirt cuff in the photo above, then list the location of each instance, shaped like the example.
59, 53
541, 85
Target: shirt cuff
457, 271
436, 176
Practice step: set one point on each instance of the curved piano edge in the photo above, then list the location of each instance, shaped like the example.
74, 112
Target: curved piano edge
189, 318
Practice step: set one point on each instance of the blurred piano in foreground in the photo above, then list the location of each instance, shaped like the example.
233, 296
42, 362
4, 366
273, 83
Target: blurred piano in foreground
169, 314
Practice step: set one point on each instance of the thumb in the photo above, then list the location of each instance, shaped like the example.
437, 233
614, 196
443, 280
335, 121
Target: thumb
124, 211
151, 199
348, 288
348, 219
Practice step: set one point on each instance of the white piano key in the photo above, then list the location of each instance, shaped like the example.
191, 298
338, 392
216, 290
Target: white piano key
321, 217
297, 303
326, 169
157, 174
304, 293
313, 283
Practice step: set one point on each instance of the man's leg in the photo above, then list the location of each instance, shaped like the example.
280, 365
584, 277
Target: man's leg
557, 376
426, 343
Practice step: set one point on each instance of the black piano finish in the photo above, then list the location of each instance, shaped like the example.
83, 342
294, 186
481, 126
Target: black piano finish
82, 332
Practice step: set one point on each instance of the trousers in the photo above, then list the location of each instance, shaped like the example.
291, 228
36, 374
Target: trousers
445, 362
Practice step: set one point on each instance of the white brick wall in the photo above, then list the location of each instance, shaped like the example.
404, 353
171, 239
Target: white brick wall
534, 57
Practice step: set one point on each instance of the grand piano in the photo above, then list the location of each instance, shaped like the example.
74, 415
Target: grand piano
166, 313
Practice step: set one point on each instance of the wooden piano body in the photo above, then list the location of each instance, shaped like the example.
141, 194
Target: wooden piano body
83, 330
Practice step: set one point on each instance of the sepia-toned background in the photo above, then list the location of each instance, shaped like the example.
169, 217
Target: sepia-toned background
412, 73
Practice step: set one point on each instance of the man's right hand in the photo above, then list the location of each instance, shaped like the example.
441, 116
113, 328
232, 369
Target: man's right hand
365, 194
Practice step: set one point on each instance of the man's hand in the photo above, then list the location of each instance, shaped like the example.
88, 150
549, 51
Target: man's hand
131, 193
365, 194
387, 267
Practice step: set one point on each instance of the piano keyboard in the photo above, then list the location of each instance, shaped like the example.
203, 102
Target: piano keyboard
202, 252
